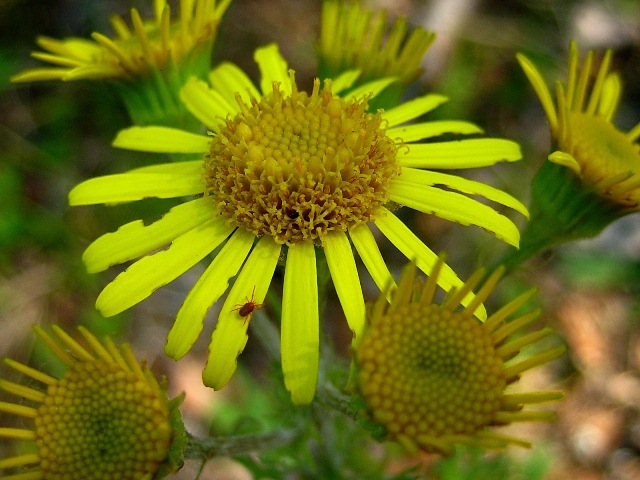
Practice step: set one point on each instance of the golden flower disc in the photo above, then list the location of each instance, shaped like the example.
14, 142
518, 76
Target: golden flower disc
602, 151
298, 167
429, 371
84, 433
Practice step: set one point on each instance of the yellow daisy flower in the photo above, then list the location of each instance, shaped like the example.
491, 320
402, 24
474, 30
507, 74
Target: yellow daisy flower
352, 37
285, 172
585, 139
593, 174
148, 62
106, 417
435, 376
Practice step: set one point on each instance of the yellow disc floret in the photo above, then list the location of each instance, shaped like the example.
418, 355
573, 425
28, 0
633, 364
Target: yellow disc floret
434, 376
100, 418
299, 166
105, 418
446, 375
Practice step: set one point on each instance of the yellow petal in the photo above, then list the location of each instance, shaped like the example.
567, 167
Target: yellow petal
415, 250
207, 105
344, 80
228, 79
129, 187
230, 336
412, 109
368, 250
471, 187
135, 238
454, 207
208, 289
153, 271
372, 88
541, 89
566, 160
273, 68
300, 323
471, 153
344, 274
419, 131
161, 140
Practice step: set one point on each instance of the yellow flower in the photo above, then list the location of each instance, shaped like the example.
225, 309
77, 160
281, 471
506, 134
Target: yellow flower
352, 37
586, 141
591, 178
285, 172
435, 376
106, 417
148, 63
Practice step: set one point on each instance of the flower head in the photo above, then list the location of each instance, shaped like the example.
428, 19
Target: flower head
355, 38
592, 176
435, 376
148, 62
586, 141
106, 417
285, 172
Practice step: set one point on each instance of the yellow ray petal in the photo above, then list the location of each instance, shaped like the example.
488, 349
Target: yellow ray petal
419, 131
415, 250
230, 336
135, 238
208, 289
161, 140
471, 153
129, 187
541, 89
454, 182
300, 323
372, 88
153, 271
413, 109
273, 68
454, 207
229, 79
207, 105
344, 80
344, 274
367, 248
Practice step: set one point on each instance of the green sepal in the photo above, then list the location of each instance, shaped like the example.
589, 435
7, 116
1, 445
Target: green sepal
175, 456
155, 98
562, 209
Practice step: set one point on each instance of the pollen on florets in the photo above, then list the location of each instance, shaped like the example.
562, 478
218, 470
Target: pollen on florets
299, 166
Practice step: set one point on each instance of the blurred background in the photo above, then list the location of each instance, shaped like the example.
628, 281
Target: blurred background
53, 135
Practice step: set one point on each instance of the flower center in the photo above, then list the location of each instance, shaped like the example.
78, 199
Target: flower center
601, 150
425, 371
100, 421
298, 167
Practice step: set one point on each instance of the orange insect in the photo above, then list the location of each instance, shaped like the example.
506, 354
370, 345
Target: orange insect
246, 309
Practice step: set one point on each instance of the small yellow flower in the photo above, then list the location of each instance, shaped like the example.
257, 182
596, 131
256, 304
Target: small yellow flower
284, 172
585, 138
105, 418
354, 38
435, 376
147, 63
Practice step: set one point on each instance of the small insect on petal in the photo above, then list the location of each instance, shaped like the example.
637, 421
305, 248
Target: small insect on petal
246, 309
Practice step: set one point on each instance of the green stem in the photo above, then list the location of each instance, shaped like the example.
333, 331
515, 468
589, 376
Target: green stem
329, 395
266, 333
207, 448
